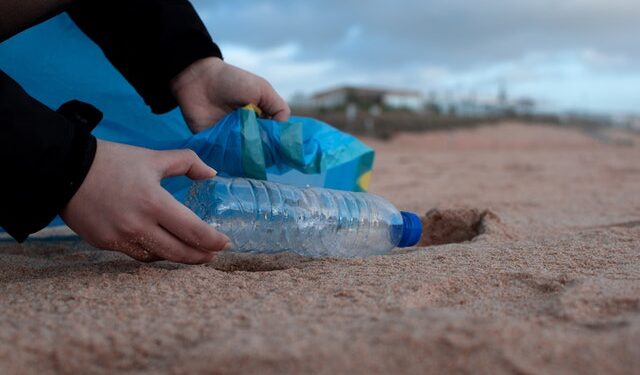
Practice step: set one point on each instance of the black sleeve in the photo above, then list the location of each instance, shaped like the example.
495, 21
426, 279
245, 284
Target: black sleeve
45, 156
148, 41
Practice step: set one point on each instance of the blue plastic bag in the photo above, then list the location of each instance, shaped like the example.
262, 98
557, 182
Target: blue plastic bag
301, 152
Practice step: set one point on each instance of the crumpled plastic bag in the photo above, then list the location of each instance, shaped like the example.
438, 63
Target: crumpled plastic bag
302, 151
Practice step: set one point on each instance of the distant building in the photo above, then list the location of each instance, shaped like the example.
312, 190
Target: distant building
403, 99
300, 100
474, 106
367, 97
487, 106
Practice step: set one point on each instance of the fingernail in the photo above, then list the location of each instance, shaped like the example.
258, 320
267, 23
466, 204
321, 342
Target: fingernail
213, 171
228, 246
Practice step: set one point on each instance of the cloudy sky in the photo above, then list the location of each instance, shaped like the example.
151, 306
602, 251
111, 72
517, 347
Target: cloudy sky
566, 54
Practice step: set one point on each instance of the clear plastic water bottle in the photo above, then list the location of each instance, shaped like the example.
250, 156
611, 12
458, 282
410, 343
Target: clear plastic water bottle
267, 217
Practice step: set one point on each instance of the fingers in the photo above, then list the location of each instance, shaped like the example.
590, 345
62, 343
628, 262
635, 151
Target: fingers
184, 162
168, 231
182, 223
163, 244
273, 104
282, 115
137, 216
128, 244
183, 237
140, 253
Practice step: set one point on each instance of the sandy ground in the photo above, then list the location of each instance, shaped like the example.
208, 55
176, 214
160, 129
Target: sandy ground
550, 284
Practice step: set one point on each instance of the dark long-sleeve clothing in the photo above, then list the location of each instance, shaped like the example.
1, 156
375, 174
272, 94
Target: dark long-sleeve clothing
45, 154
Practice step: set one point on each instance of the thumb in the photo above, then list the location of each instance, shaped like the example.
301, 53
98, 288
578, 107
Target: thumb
184, 163
273, 104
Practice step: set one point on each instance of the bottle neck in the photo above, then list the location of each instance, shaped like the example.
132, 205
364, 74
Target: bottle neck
411, 229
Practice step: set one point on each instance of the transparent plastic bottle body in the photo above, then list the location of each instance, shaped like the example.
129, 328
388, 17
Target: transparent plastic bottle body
266, 217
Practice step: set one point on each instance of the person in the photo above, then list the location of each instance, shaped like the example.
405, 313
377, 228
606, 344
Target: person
109, 193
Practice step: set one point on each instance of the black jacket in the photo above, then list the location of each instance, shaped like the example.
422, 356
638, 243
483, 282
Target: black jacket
46, 154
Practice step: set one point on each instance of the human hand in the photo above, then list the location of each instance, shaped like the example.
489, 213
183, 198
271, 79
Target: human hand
210, 88
121, 206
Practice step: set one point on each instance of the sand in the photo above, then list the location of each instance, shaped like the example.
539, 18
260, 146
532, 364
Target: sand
548, 283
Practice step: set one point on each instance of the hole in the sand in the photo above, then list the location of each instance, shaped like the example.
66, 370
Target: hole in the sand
444, 226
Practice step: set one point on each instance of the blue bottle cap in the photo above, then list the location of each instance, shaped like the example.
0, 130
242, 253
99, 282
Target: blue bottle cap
411, 229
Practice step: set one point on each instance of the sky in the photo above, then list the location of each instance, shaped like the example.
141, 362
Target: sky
580, 55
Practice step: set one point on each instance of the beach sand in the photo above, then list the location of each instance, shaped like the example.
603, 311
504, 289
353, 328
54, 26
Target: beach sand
548, 283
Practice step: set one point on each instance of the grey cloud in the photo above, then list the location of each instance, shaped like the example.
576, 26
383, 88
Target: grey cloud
454, 33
